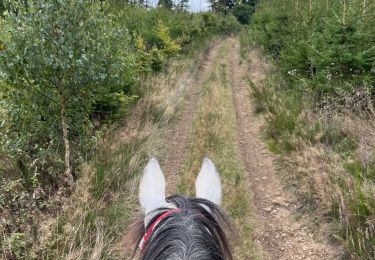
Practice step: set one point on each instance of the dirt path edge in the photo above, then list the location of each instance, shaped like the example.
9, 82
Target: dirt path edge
278, 232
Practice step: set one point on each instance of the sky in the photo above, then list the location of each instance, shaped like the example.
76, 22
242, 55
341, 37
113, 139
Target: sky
198, 5
194, 5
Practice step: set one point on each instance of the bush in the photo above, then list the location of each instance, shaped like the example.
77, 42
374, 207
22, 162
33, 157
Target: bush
68, 67
325, 56
159, 34
328, 45
60, 60
243, 13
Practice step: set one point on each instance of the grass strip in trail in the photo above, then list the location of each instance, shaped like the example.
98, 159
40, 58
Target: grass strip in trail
214, 136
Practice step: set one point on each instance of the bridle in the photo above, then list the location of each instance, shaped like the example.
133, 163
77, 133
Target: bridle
145, 237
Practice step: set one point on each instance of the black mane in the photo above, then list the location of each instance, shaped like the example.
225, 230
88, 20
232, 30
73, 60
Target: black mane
198, 231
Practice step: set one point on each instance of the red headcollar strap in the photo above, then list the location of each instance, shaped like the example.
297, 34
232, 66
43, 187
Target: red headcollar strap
151, 228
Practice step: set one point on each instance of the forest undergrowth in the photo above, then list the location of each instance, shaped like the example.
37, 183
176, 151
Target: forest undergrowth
318, 103
71, 72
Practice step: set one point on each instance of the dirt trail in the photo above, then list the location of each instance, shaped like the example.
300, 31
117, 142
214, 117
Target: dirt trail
278, 233
178, 136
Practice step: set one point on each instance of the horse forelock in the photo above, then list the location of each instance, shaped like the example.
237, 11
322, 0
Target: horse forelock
199, 230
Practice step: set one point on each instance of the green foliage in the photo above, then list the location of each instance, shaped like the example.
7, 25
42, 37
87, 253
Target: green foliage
161, 33
155, 57
182, 5
322, 48
360, 171
340, 142
168, 4
65, 50
80, 61
328, 44
222, 6
170, 47
283, 114
17, 245
243, 13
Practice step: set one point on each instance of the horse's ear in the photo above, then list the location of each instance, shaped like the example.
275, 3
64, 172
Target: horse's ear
207, 184
152, 187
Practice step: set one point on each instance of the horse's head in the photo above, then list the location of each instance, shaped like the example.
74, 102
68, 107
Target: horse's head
182, 227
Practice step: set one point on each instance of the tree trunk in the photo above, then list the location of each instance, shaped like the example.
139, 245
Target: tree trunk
68, 177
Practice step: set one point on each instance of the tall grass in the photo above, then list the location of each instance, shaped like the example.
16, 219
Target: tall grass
106, 202
327, 157
318, 104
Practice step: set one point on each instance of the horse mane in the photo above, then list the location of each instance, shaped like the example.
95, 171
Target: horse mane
199, 230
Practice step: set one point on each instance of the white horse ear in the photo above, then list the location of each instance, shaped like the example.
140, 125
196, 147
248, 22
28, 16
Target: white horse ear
207, 184
152, 187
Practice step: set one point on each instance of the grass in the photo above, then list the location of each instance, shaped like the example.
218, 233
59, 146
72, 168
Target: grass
283, 112
117, 163
214, 136
326, 156
94, 223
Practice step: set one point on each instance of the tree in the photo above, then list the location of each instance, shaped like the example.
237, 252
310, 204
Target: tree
182, 5
144, 3
243, 13
60, 59
222, 6
168, 4
250, 2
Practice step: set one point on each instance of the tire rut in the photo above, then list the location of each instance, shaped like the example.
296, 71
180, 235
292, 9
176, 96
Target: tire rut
178, 136
277, 231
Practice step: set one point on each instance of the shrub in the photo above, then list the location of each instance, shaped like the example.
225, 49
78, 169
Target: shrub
61, 61
243, 13
324, 52
66, 68
330, 45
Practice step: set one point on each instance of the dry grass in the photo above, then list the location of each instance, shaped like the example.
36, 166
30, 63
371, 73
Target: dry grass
214, 136
92, 223
353, 170
327, 157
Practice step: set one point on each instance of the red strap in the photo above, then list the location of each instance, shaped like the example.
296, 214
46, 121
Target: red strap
151, 228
